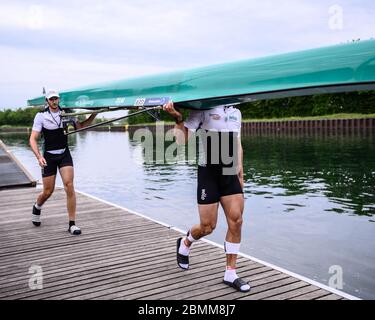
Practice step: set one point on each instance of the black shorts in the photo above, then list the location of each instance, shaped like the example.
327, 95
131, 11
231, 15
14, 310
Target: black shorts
55, 161
212, 184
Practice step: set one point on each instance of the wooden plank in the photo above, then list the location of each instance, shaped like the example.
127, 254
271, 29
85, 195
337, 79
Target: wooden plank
61, 243
133, 277
119, 256
92, 229
51, 214
201, 284
100, 270
331, 296
292, 294
58, 270
18, 229
125, 270
54, 205
89, 233
268, 287
258, 272
76, 247
135, 291
68, 263
274, 293
42, 235
313, 295
227, 293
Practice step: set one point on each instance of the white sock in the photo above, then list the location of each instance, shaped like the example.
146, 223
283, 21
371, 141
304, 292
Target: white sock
231, 275
37, 206
190, 237
184, 249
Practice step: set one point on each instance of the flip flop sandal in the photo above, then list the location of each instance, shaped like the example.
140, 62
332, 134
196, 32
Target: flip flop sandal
181, 259
237, 284
36, 217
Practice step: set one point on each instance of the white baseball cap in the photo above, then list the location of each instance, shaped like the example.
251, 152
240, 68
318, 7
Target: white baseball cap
52, 93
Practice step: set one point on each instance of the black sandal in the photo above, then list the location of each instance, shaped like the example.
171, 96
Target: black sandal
237, 284
181, 259
36, 216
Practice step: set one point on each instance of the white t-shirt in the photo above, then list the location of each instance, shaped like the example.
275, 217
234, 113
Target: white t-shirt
50, 121
220, 118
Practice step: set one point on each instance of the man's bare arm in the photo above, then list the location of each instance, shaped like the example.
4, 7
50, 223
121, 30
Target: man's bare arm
34, 147
87, 122
240, 162
181, 133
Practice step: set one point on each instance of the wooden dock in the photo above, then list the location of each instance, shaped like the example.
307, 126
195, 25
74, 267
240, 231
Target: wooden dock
12, 172
120, 255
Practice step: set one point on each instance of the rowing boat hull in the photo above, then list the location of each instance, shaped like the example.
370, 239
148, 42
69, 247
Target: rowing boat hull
339, 68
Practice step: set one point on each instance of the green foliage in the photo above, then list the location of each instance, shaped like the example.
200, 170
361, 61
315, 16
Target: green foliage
304, 106
316, 105
19, 117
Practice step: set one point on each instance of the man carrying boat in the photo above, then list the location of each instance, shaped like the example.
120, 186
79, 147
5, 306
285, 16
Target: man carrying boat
219, 181
55, 155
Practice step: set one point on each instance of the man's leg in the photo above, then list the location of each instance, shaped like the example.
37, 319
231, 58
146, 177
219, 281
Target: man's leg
48, 187
208, 220
67, 177
233, 206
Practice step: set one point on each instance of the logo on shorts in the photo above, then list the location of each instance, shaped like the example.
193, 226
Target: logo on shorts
203, 195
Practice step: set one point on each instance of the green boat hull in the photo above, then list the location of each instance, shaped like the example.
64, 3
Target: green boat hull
339, 68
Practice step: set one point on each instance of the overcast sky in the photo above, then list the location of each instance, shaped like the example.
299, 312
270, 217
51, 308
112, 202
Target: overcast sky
66, 44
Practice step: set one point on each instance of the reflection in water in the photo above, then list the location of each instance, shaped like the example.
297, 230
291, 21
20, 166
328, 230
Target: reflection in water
309, 201
340, 168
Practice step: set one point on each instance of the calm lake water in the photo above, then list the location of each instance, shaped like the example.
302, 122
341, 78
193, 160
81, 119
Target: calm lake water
310, 201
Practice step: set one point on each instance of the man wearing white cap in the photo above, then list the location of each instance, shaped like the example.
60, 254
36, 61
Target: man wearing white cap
56, 155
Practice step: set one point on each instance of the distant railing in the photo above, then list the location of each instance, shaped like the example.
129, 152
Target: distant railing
326, 126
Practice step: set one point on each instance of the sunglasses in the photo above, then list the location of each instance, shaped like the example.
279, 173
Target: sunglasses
53, 98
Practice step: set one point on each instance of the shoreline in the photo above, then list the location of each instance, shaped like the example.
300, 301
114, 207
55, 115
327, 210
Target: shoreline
344, 123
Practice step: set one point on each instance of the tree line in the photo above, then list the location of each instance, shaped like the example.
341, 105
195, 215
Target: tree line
24, 117
304, 106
